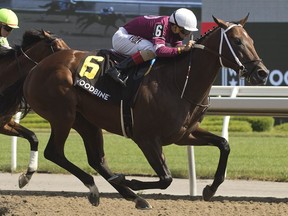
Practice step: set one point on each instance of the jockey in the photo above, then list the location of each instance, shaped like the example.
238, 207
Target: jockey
8, 22
107, 10
146, 37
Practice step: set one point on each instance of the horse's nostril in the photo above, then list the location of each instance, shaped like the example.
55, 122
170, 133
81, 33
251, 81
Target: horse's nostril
262, 73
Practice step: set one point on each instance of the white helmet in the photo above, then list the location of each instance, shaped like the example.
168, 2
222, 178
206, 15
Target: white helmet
184, 18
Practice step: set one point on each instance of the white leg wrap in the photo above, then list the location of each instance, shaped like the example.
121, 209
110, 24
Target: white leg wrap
33, 164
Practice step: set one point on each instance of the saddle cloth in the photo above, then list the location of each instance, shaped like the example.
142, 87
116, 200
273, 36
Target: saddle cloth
91, 77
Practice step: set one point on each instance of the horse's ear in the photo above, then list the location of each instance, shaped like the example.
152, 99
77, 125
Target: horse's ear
244, 20
221, 23
44, 33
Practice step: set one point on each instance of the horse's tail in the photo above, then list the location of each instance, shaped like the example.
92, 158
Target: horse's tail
12, 100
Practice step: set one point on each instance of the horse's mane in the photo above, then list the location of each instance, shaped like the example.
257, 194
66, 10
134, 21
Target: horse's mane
198, 41
33, 36
206, 34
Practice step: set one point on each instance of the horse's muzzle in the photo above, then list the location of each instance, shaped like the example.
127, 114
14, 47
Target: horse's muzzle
259, 76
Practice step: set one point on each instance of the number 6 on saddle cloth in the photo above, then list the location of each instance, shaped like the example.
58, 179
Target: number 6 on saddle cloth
91, 77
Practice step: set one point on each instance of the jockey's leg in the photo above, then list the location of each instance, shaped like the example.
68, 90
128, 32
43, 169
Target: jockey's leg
133, 60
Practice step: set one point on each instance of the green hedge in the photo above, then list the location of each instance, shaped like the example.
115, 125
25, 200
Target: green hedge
281, 127
234, 126
239, 124
258, 123
211, 123
33, 120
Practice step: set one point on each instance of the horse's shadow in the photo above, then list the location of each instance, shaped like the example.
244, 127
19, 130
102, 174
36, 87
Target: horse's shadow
146, 196
108, 20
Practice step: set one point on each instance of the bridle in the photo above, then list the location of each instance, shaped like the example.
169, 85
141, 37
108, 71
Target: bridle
223, 34
29, 58
242, 71
22, 51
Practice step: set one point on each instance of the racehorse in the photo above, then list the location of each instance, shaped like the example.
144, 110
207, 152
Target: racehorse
66, 8
15, 64
109, 19
168, 108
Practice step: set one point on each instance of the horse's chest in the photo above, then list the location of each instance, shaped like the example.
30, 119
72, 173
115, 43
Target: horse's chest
193, 116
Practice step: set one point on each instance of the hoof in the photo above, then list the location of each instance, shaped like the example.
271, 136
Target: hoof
207, 193
142, 204
117, 179
94, 199
23, 180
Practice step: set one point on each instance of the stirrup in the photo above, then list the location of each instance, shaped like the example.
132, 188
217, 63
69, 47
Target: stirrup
122, 82
115, 75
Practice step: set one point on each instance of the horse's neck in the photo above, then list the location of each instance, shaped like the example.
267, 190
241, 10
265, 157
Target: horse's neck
203, 72
15, 68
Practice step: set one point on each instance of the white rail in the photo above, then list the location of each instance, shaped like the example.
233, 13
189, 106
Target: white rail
250, 100
241, 100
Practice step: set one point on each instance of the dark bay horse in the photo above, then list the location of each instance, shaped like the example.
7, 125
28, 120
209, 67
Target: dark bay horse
108, 20
15, 64
169, 107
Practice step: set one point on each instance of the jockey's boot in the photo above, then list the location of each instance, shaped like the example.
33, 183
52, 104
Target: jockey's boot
115, 72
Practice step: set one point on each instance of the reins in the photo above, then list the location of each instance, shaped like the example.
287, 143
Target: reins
29, 58
242, 70
36, 63
205, 106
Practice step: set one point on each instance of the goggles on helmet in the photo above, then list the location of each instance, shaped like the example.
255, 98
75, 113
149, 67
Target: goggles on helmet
7, 28
185, 32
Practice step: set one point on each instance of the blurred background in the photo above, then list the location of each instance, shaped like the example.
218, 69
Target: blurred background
90, 24
68, 19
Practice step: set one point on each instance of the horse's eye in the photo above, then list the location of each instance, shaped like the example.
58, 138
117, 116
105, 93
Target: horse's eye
238, 41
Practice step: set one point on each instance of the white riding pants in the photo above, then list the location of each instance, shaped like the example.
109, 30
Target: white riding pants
128, 44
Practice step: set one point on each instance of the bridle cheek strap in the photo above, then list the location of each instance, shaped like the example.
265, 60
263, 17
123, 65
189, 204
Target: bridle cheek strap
224, 35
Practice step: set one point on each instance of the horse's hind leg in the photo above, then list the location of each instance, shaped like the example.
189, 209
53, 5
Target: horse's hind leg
93, 140
85, 25
153, 152
14, 129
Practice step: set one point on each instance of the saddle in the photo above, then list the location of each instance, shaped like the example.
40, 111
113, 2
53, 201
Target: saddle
91, 77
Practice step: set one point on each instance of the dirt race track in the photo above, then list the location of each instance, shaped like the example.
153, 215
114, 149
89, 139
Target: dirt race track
69, 203
64, 195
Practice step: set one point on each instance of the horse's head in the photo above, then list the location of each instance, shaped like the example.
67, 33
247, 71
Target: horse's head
56, 43
37, 45
237, 51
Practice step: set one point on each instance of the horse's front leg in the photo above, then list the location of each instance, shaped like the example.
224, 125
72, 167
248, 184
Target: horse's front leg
14, 129
200, 137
